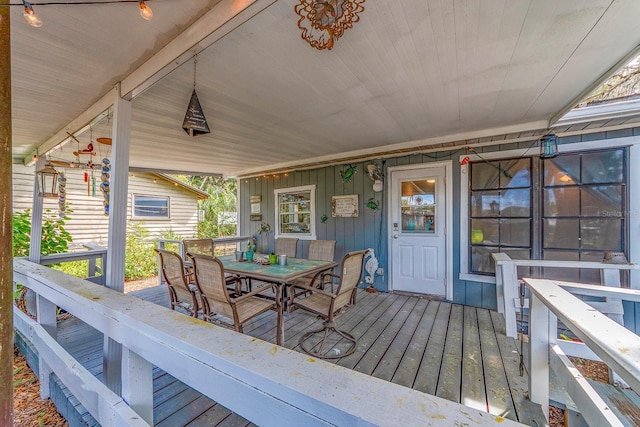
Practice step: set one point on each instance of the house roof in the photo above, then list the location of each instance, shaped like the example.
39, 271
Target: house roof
409, 75
202, 195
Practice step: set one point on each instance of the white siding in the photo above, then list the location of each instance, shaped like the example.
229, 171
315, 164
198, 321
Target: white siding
87, 222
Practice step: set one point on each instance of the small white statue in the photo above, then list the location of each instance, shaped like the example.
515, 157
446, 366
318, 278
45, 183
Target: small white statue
371, 266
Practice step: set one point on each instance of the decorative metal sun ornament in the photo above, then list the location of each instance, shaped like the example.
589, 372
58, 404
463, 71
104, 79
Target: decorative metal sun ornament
324, 21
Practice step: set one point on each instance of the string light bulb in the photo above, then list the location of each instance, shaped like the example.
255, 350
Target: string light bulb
30, 16
145, 11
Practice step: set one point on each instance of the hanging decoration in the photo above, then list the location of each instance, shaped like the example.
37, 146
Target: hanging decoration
375, 174
373, 204
62, 195
104, 186
348, 173
324, 218
47, 181
195, 123
324, 21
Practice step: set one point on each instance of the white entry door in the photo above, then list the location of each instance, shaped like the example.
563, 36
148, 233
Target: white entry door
418, 225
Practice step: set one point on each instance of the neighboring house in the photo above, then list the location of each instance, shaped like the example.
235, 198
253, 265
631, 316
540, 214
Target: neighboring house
444, 210
158, 202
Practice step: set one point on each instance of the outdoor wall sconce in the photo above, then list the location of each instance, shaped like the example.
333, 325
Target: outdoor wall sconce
549, 146
47, 181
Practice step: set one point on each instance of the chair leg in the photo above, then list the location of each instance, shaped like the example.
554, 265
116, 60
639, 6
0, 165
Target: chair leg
320, 352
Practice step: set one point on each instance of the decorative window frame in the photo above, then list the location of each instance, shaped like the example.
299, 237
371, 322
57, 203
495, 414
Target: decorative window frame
134, 196
312, 210
633, 178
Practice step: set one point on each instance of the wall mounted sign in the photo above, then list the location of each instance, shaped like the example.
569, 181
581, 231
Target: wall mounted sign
257, 198
345, 206
194, 121
255, 208
323, 22
255, 217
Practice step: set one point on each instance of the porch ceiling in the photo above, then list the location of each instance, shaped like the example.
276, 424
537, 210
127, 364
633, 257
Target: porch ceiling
410, 73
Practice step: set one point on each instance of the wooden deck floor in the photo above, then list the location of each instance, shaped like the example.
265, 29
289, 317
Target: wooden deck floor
456, 352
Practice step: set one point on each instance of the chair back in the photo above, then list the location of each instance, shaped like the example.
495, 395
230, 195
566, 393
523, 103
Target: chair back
287, 246
174, 274
198, 246
322, 250
211, 284
350, 275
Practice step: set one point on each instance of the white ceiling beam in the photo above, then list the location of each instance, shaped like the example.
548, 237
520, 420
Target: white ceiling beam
223, 18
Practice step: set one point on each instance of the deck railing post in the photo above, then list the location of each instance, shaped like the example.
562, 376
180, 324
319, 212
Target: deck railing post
137, 384
539, 339
46, 314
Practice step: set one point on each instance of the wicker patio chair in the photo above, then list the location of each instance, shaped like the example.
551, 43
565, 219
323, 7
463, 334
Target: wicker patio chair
219, 307
206, 247
328, 305
287, 246
181, 294
320, 250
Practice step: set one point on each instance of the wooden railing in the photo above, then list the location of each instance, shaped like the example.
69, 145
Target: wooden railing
618, 347
95, 252
507, 284
265, 383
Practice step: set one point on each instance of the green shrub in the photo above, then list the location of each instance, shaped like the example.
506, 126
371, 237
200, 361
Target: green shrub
55, 239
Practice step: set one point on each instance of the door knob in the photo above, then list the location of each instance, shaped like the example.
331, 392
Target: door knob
395, 236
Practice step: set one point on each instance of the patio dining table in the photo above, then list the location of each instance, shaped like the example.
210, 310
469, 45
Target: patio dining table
280, 275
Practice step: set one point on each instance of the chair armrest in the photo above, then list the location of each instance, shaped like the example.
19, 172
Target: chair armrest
256, 292
316, 290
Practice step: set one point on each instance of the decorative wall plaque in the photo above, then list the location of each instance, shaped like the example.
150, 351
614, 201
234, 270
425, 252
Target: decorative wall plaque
255, 217
345, 206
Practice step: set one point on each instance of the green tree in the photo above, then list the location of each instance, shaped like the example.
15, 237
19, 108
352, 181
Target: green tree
222, 199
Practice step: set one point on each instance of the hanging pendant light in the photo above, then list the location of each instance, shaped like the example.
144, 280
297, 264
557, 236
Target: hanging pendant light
549, 146
145, 11
47, 181
30, 16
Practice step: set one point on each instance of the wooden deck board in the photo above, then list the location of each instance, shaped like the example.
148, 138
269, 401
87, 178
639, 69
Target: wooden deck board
450, 368
429, 370
499, 399
390, 362
472, 388
407, 370
456, 352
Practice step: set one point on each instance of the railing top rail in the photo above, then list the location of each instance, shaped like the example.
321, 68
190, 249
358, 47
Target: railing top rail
241, 372
600, 291
230, 239
502, 258
72, 256
615, 345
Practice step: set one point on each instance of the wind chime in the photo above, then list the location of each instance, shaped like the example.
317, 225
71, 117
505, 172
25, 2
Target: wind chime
105, 175
195, 123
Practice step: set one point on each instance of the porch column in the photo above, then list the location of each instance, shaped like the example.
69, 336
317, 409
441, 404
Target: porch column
6, 227
117, 228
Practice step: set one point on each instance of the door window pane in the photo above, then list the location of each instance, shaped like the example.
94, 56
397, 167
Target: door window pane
604, 234
485, 176
516, 173
561, 233
515, 203
515, 232
562, 170
418, 206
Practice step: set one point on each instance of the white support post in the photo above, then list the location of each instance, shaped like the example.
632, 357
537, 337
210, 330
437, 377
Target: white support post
137, 384
36, 233
44, 373
510, 289
539, 330
46, 315
117, 228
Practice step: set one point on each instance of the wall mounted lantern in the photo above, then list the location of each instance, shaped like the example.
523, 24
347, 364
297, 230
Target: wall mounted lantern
549, 146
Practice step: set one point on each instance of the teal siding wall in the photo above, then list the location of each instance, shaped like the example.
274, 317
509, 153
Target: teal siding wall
369, 229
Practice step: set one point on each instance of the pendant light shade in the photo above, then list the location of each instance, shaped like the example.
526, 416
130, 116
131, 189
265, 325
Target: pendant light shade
549, 146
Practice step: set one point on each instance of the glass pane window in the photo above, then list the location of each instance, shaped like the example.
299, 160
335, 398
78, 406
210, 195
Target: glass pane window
499, 210
577, 212
295, 212
150, 206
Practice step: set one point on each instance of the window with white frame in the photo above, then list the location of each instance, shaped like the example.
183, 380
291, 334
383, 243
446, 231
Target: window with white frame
150, 207
570, 207
295, 212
